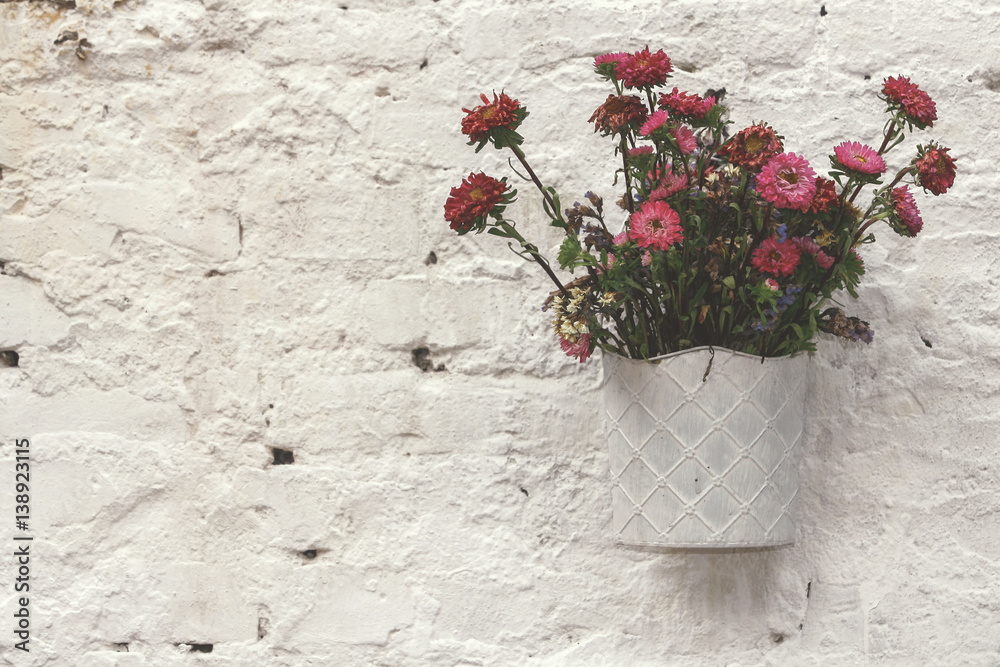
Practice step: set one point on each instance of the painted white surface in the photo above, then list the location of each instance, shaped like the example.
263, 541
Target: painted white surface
216, 232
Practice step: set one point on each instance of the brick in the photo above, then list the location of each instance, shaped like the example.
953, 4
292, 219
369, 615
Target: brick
27, 317
346, 606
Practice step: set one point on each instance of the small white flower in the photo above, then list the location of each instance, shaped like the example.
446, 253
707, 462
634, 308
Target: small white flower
731, 170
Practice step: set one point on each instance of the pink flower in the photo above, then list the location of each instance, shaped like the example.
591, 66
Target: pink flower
669, 185
609, 58
621, 238
772, 284
686, 104
824, 260
655, 225
777, 258
685, 139
580, 349
640, 150
905, 217
806, 244
860, 158
655, 121
643, 69
787, 181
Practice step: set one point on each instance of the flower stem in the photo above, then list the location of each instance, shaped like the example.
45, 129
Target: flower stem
629, 205
538, 184
533, 251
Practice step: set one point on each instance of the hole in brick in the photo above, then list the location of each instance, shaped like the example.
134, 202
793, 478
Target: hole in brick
868, 77
308, 553
926, 342
213, 273
9, 358
432, 258
822, 10
718, 94
263, 626
201, 648
809, 586
524, 491
121, 647
777, 637
423, 64
421, 359
66, 36
283, 457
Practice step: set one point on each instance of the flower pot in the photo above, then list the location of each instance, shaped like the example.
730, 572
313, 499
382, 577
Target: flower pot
704, 448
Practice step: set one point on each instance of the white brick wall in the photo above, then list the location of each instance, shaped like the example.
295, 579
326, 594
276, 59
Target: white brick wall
216, 233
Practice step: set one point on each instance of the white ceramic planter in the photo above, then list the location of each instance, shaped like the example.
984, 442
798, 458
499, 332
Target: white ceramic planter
704, 461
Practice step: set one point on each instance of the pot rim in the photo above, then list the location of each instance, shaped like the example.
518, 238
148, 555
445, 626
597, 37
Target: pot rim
711, 348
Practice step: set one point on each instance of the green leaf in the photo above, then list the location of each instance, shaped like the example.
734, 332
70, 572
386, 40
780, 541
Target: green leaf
569, 251
730, 282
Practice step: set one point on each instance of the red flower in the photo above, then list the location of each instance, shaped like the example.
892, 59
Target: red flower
826, 195
915, 103
642, 69
501, 112
686, 104
905, 217
616, 112
936, 169
473, 199
752, 147
777, 258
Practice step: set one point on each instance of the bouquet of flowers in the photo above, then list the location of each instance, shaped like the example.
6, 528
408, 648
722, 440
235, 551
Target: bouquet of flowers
728, 241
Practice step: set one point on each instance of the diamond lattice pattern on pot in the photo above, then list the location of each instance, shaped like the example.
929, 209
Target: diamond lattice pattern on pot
699, 461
